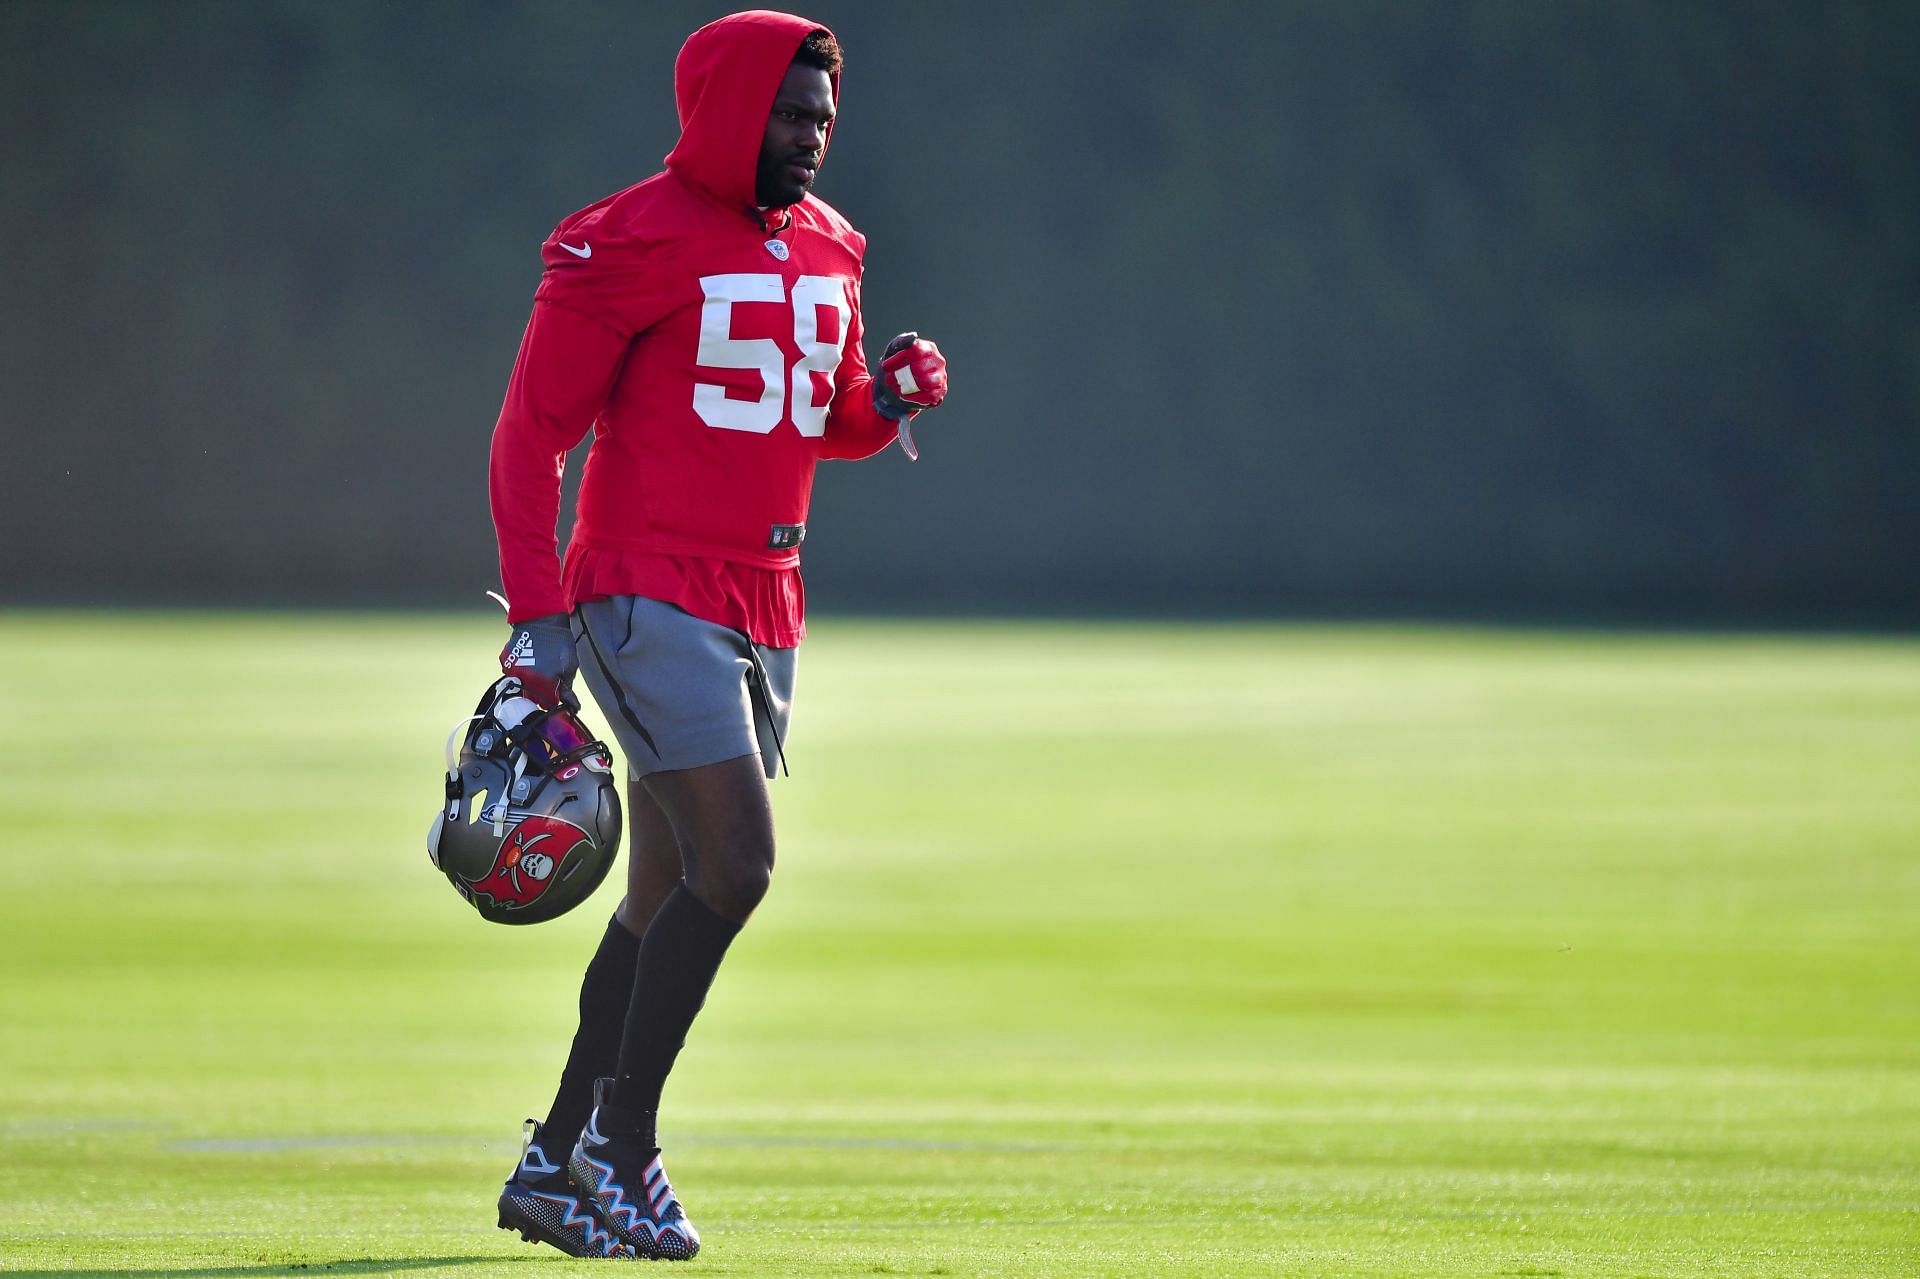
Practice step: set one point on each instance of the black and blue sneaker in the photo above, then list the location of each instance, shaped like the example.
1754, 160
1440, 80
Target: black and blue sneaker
544, 1206
621, 1172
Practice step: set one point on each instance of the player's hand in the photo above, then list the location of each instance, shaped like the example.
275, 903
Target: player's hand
540, 655
913, 376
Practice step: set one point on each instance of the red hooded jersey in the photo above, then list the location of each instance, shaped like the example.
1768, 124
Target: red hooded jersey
715, 351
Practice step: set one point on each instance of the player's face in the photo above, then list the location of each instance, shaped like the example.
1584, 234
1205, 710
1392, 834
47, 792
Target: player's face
796, 135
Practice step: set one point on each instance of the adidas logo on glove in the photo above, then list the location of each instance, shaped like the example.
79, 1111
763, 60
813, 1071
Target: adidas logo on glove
520, 653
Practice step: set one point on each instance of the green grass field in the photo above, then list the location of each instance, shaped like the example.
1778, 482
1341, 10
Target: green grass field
1093, 951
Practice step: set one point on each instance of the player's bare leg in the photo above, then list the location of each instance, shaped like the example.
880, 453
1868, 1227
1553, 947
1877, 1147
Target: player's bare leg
653, 866
723, 821
539, 1200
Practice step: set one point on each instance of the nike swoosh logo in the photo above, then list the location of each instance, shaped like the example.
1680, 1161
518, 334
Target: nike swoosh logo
584, 251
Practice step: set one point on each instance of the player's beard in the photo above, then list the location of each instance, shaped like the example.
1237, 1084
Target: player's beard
774, 187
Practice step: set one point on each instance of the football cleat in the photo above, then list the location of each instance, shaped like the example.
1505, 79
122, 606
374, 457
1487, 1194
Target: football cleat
629, 1186
543, 1205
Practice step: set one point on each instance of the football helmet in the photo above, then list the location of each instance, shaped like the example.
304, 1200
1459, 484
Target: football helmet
531, 822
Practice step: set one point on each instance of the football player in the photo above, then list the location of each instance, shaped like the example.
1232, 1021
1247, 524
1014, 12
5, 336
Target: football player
706, 325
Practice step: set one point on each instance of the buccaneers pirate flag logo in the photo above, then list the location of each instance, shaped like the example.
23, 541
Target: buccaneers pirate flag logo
530, 859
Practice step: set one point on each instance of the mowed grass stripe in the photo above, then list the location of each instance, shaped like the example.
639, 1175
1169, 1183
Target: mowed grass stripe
1094, 950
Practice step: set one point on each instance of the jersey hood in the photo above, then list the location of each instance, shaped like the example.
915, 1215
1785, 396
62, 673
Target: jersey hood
724, 82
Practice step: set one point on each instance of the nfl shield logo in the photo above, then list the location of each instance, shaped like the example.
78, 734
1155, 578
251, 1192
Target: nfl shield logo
778, 249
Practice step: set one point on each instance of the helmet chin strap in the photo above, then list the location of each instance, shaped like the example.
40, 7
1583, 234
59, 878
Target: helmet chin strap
459, 734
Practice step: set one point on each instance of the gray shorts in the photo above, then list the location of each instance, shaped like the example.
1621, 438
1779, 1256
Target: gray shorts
681, 692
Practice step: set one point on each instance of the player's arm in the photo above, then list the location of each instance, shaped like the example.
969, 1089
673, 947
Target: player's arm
565, 369
869, 413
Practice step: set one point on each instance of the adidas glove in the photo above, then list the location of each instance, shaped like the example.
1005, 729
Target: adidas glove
540, 655
913, 376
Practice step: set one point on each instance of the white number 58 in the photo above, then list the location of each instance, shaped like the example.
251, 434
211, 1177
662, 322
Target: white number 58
720, 350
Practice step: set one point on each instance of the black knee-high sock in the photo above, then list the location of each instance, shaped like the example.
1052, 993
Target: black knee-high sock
605, 992
678, 959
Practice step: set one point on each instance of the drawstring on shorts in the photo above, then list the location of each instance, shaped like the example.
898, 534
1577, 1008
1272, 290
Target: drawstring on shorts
757, 681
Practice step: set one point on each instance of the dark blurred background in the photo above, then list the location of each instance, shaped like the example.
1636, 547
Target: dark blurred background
1577, 311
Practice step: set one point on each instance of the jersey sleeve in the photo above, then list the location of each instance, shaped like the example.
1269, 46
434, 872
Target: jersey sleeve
855, 428
565, 370
602, 285
597, 266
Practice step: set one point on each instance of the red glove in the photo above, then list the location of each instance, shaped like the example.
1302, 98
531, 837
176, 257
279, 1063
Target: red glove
913, 376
